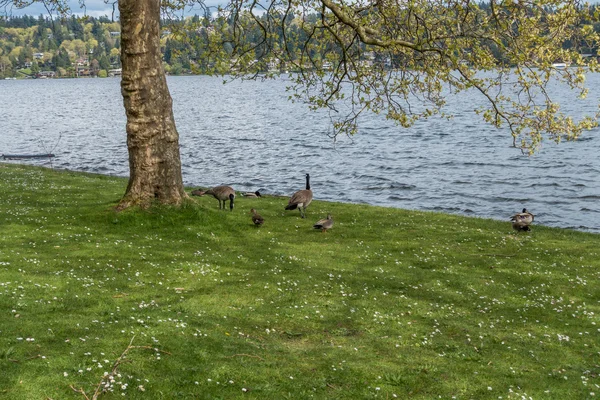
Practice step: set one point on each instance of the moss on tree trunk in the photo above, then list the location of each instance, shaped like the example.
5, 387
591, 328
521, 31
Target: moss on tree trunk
152, 138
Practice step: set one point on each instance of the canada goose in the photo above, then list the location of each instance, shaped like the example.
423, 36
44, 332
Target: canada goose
256, 218
221, 193
301, 199
252, 194
324, 224
522, 220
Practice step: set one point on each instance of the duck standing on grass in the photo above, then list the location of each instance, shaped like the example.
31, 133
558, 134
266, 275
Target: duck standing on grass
221, 193
252, 194
324, 224
256, 218
522, 220
301, 199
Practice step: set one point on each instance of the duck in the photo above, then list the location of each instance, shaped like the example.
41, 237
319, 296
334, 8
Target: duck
301, 199
221, 193
256, 218
252, 194
324, 224
522, 220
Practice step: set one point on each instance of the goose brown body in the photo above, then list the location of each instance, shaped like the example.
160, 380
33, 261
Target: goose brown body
257, 219
324, 224
301, 199
221, 193
522, 220
252, 194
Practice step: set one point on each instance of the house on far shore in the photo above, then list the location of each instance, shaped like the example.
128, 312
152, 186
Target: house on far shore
38, 56
46, 74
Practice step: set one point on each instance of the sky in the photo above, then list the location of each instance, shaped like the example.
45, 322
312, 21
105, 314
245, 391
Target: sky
94, 8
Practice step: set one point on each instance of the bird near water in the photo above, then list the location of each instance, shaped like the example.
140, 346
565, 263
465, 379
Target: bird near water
221, 193
252, 194
521, 221
257, 219
301, 199
324, 224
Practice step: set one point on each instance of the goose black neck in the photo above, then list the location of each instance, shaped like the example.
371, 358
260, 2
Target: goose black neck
231, 197
307, 182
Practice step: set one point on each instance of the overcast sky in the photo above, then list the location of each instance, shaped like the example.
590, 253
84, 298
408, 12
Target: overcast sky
94, 8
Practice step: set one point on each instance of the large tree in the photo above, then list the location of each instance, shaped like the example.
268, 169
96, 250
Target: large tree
152, 139
401, 58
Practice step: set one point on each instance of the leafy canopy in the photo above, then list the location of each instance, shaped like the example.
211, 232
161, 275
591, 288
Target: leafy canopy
402, 58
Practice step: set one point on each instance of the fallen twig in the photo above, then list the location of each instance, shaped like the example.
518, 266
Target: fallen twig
80, 391
121, 359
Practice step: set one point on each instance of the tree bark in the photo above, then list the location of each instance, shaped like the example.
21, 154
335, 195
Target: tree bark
152, 138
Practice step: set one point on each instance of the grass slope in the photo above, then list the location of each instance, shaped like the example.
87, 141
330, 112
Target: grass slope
388, 304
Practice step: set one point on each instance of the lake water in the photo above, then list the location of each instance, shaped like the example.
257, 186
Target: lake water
248, 135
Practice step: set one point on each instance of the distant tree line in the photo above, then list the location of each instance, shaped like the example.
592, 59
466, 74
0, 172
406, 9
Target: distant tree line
67, 47
75, 47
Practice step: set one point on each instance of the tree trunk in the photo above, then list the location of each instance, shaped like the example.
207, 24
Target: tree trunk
152, 139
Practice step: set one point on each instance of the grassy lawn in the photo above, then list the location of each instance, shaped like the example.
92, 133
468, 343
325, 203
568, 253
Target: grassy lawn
197, 303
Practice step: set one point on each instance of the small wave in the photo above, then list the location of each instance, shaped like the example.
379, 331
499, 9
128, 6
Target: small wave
403, 186
443, 209
372, 188
502, 199
582, 228
459, 182
245, 139
534, 185
399, 198
372, 178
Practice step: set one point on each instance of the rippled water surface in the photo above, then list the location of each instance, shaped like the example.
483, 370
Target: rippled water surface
248, 135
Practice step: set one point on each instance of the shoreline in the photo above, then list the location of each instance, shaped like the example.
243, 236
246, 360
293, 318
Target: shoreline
283, 196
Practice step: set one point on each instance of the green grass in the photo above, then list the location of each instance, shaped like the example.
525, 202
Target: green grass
389, 303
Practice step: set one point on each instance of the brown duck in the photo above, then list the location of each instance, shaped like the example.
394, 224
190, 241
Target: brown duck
324, 224
522, 220
221, 193
256, 218
301, 199
252, 194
